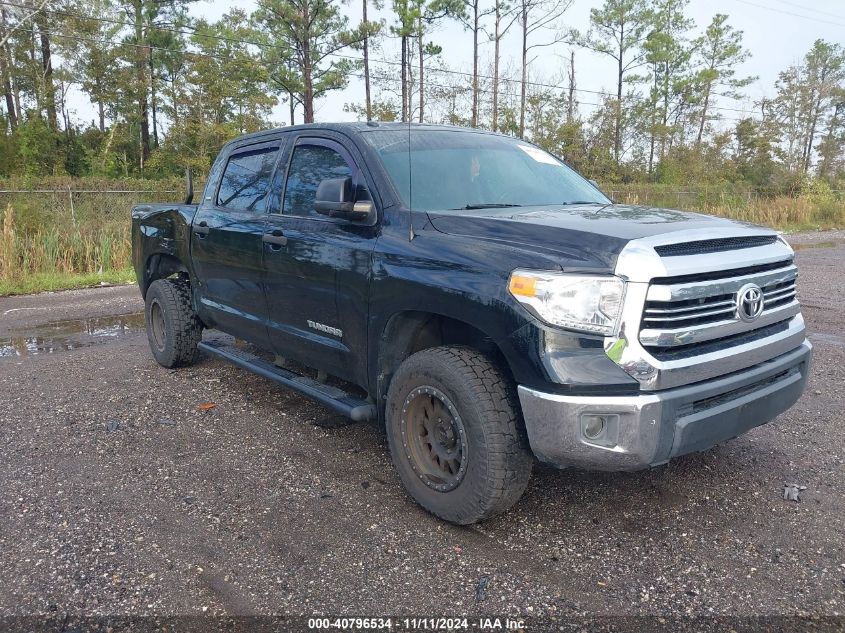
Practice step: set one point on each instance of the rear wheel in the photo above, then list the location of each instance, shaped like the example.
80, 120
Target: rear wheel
455, 434
173, 329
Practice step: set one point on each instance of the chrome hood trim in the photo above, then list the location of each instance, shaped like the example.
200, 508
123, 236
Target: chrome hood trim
639, 262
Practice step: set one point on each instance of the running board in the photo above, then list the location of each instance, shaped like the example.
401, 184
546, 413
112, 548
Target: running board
337, 399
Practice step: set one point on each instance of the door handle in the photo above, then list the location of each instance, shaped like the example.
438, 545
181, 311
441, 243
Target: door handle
276, 239
202, 229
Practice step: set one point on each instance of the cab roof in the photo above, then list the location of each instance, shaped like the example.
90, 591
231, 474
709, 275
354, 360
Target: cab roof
357, 127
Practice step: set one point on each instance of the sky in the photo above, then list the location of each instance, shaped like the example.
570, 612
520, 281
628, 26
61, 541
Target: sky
777, 32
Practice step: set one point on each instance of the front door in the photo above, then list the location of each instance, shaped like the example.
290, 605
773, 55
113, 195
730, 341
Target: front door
227, 244
317, 273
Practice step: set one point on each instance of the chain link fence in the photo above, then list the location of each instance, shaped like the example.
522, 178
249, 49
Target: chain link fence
75, 226
70, 227
69, 207
706, 198
42, 207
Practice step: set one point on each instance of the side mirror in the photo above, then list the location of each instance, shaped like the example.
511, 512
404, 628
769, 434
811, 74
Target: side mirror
335, 198
594, 183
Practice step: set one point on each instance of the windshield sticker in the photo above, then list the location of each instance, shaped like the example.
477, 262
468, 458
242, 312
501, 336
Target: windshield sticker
539, 155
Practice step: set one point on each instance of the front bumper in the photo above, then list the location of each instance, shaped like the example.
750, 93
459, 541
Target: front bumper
650, 428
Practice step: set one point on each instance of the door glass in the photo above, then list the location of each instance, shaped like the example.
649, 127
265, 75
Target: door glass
245, 181
309, 166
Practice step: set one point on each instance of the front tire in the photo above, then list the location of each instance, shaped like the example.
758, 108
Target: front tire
173, 329
455, 434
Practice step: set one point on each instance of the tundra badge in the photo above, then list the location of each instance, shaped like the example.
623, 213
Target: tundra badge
325, 328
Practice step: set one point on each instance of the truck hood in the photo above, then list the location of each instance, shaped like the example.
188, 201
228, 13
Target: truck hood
595, 231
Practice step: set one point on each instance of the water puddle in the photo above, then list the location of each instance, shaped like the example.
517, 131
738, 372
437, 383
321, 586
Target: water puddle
62, 336
807, 245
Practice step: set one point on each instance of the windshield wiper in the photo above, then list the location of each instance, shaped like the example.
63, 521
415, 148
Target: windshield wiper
581, 202
489, 205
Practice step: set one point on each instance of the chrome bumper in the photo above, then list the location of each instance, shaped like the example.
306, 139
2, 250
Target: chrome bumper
650, 428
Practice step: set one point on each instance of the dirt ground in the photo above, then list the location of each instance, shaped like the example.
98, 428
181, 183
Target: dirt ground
120, 496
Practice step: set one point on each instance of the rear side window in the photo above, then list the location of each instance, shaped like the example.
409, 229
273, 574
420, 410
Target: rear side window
309, 166
246, 179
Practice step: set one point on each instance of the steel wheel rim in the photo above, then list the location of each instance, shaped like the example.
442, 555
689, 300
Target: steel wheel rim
157, 327
434, 438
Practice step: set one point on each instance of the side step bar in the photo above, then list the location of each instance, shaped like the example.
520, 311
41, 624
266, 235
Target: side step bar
334, 398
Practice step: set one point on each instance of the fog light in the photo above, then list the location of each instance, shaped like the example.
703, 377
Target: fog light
593, 426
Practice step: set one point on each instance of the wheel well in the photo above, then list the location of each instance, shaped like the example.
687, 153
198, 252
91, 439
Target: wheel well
409, 332
161, 266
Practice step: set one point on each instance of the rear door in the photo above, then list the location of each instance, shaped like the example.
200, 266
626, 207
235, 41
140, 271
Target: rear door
317, 280
227, 243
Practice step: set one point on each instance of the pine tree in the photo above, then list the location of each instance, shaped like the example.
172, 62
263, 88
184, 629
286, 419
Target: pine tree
718, 51
311, 33
616, 30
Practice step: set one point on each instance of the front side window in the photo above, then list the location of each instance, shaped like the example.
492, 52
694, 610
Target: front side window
245, 181
460, 170
310, 165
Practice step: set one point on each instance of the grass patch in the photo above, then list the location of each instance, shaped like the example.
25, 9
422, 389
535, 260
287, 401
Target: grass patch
807, 210
50, 281
62, 253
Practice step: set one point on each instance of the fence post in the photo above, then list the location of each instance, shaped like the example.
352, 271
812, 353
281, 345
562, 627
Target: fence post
72, 212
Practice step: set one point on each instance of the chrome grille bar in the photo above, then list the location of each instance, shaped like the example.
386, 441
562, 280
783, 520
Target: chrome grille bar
725, 286
691, 334
698, 314
779, 294
695, 308
683, 314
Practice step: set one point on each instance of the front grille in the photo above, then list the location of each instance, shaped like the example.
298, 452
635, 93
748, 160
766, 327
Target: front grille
685, 315
700, 247
710, 309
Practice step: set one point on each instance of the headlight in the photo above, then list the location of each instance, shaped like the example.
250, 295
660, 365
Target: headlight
587, 303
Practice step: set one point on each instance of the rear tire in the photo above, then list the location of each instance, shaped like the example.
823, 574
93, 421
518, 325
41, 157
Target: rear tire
456, 436
173, 329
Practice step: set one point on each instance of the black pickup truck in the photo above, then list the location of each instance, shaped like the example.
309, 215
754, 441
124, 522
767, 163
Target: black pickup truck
478, 299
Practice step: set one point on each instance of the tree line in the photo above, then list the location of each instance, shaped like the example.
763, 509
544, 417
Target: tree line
168, 87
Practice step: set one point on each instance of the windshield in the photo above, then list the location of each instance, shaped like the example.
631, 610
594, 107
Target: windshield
454, 169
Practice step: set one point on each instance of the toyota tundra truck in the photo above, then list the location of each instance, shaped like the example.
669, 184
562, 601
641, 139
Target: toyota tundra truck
478, 300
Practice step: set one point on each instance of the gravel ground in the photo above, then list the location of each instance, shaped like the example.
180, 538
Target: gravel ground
121, 496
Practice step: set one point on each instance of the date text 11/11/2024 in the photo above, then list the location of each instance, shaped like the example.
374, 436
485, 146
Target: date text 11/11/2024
417, 624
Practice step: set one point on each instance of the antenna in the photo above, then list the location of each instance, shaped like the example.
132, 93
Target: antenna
411, 234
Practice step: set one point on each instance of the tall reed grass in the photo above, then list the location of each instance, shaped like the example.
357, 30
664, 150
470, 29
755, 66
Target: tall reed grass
808, 209
94, 248
59, 229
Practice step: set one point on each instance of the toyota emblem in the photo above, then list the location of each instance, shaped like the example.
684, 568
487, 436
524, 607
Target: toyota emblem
749, 302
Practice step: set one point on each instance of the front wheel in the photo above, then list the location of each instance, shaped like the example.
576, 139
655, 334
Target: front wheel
455, 434
173, 329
